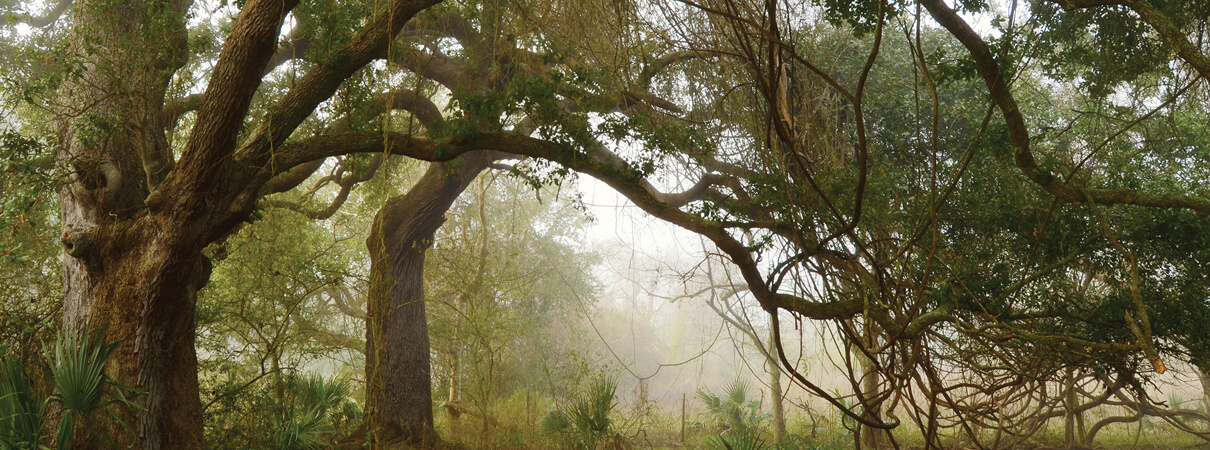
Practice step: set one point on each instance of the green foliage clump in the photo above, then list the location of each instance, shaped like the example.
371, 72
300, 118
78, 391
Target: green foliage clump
736, 414
290, 411
22, 415
585, 422
26, 183
75, 369
316, 412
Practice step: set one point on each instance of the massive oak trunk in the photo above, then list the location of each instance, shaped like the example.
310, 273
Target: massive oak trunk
399, 400
124, 269
135, 221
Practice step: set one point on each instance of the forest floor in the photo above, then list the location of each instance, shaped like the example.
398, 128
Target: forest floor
659, 431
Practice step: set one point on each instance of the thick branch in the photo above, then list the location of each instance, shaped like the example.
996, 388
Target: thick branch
290, 179
440, 68
174, 109
694, 193
411, 101
601, 164
447, 25
255, 161
322, 81
237, 75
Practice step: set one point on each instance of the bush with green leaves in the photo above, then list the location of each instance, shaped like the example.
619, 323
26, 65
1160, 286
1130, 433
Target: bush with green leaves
735, 411
585, 422
75, 369
22, 414
315, 413
738, 439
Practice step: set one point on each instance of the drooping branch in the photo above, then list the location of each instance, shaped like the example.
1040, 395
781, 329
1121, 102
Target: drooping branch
1018, 132
402, 99
403, 144
1160, 22
601, 164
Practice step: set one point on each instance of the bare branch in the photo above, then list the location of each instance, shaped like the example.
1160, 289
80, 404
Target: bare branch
346, 184
341, 298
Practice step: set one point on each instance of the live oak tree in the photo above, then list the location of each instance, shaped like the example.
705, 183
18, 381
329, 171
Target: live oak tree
959, 225
398, 381
137, 215
288, 292
134, 200
918, 232
936, 232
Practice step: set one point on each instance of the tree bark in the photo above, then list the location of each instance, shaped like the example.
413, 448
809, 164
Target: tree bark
135, 221
121, 270
871, 437
399, 401
1070, 436
774, 370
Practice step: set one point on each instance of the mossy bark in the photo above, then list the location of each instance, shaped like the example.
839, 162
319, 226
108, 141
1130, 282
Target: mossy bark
135, 219
399, 399
127, 270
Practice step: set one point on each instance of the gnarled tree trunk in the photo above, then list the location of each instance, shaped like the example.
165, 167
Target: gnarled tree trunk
124, 269
399, 399
135, 221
